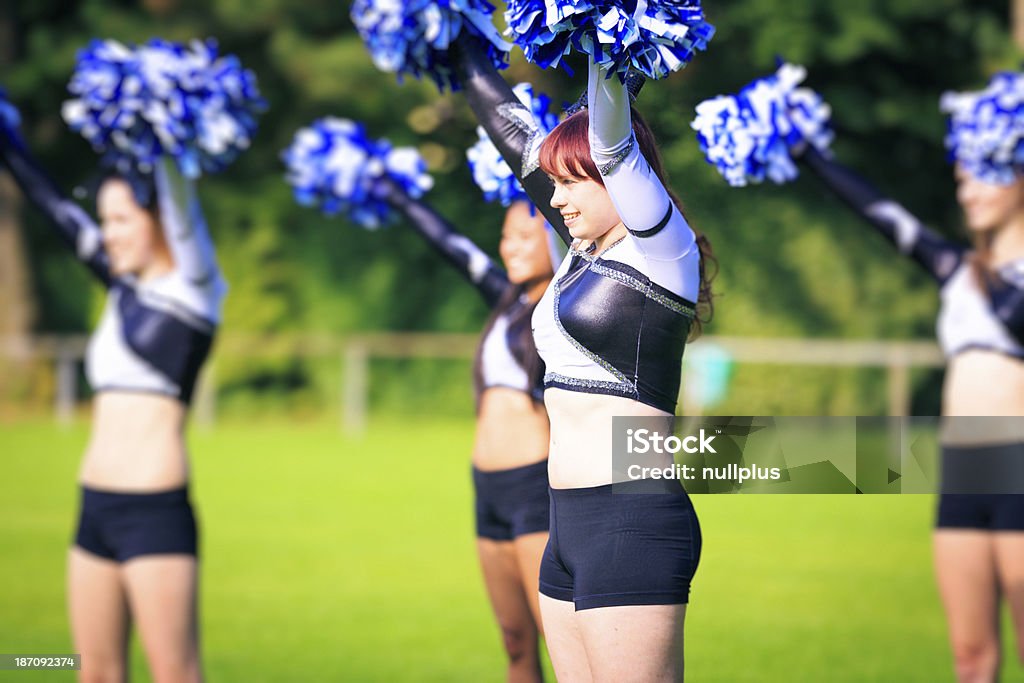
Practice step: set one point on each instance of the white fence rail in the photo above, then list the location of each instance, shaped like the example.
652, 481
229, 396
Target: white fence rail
355, 352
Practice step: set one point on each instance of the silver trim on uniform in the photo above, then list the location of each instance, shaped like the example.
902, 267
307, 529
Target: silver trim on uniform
521, 117
644, 288
617, 158
584, 350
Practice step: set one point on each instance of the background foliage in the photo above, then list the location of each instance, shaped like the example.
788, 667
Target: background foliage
793, 261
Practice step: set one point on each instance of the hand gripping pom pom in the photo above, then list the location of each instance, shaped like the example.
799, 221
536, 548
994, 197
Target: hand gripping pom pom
414, 37
654, 37
750, 136
986, 129
335, 166
490, 172
136, 104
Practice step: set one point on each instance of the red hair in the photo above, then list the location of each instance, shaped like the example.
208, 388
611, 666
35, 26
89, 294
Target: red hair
566, 151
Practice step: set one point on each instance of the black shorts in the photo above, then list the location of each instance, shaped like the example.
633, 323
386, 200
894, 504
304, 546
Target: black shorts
120, 526
621, 548
511, 503
982, 488
985, 511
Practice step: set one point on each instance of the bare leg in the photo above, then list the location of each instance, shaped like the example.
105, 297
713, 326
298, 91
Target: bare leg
98, 609
565, 642
511, 608
529, 550
642, 643
1009, 549
965, 566
162, 590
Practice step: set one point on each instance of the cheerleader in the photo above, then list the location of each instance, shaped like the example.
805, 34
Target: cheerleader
510, 469
610, 328
509, 460
134, 560
978, 544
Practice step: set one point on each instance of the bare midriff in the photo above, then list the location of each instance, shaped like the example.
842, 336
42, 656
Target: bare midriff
511, 430
581, 435
137, 443
981, 382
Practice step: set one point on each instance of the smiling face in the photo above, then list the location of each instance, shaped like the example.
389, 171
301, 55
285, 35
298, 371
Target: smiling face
585, 205
524, 245
131, 235
580, 195
988, 206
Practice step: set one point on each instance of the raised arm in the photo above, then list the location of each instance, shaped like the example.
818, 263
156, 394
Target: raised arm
476, 266
509, 124
936, 254
642, 201
76, 228
184, 226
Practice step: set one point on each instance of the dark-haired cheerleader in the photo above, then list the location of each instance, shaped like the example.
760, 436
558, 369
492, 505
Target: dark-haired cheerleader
134, 561
979, 535
510, 467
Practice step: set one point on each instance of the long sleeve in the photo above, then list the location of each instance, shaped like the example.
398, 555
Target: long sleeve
185, 227
937, 255
642, 201
476, 266
509, 124
76, 228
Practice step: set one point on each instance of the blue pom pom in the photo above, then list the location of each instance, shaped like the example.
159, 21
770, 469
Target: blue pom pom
654, 37
136, 104
986, 129
413, 37
748, 136
335, 166
10, 119
490, 172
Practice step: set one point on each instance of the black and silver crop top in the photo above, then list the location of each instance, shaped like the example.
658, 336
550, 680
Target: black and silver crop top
617, 322
971, 316
499, 348
614, 323
155, 335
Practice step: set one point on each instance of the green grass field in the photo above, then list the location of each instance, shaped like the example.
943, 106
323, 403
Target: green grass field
328, 558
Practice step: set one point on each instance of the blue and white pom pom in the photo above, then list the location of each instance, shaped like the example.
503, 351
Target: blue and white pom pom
654, 37
490, 172
750, 136
334, 165
10, 119
137, 104
414, 37
986, 129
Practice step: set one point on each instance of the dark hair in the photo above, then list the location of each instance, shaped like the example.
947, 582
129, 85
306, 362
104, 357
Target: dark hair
567, 148
520, 338
980, 260
143, 187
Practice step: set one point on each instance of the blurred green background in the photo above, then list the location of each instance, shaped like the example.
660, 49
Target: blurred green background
318, 565
794, 262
